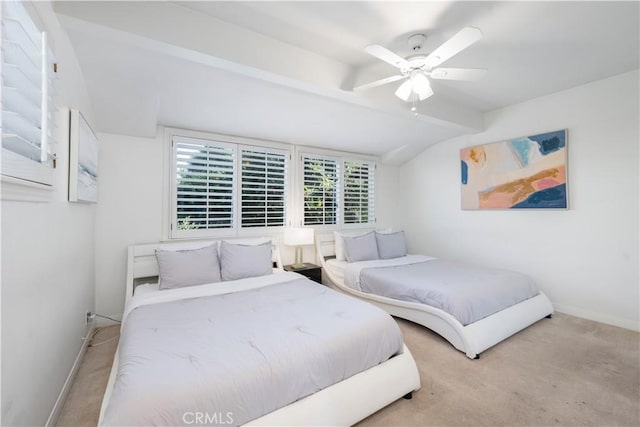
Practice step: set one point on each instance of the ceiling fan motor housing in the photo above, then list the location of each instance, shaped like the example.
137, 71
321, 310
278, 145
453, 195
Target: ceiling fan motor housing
415, 42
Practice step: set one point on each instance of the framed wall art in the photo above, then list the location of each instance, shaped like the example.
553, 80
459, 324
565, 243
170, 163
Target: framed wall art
521, 173
83, 160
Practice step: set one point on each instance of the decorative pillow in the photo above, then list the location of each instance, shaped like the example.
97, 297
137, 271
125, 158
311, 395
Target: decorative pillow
191, 267
385, 230
391, 245
360, 248
242, 261
339, 242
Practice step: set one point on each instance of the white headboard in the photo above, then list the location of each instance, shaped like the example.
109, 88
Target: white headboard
141, 259
325, 247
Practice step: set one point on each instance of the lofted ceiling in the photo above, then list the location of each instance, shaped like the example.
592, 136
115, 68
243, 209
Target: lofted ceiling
284, 70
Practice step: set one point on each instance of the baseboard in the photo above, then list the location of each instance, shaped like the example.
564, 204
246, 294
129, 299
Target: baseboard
55, 412
598, 317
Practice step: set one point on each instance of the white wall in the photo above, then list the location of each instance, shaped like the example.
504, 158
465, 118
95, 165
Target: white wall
129, 212
388, 198
131, 204
585, 258
47, 272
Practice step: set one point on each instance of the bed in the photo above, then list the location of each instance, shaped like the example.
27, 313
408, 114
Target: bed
470, 337
284, 351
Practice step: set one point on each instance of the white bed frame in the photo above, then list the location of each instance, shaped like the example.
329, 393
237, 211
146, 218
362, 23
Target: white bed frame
341, 404
472, 339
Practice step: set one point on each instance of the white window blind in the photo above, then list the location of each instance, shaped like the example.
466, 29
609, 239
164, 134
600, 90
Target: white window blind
320, 181
204, 186
338, 191
27, 107
220, 187
359, 192
264, 187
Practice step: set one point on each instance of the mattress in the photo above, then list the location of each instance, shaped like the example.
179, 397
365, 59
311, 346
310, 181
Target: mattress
466, 292
235, 351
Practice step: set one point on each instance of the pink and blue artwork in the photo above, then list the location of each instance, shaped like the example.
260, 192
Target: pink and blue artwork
521, 173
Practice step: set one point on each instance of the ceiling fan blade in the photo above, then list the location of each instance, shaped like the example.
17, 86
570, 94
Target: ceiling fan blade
463, 39
387, 56
379, 82
469, 74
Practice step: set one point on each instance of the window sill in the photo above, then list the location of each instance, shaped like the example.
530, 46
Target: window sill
21, 190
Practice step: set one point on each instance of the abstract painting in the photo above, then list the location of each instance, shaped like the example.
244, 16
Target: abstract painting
83, 160
528, 172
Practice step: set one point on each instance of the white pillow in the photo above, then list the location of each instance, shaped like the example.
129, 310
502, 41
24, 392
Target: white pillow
191, 267
391, 245
245, 241
241, 261
385, 231
339, 241
360, 248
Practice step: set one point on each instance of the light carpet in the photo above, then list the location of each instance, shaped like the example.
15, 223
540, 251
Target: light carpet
560, 371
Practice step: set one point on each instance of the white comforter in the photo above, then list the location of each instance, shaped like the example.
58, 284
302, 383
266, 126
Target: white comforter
466, 292
235, 351
352, 270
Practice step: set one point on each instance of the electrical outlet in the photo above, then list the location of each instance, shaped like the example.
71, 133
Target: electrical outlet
90, 318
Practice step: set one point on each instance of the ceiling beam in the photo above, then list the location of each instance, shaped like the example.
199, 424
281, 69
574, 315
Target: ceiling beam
186, 34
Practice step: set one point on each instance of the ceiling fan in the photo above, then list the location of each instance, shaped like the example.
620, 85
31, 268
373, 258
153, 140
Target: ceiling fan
418, 68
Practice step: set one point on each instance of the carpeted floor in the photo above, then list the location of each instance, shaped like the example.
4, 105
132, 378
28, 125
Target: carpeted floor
561, 371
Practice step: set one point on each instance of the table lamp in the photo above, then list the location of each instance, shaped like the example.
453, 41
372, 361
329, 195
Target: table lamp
298, 237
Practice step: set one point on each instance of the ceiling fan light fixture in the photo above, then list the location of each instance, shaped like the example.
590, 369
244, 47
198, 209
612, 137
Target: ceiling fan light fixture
421, 86
404, 91
425, 93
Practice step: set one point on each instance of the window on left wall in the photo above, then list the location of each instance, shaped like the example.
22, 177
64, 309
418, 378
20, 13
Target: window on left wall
220, 188
28, 71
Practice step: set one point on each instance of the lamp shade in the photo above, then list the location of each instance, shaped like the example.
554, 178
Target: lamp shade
417, 86
421, 86
298, 236
404, 91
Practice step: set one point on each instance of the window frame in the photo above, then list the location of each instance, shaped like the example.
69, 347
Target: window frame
341, 159
371, 188
169, 229
287, 184
177, 233
24, 177
337, 189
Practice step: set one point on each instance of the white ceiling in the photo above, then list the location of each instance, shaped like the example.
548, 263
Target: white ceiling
283, 70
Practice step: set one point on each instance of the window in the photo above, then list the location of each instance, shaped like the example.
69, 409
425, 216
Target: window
264, 188
338, 191
359, 192
204, 196
27, 72
220, 187
320, 177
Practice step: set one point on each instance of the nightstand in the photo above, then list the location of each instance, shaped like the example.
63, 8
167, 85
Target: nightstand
312, 271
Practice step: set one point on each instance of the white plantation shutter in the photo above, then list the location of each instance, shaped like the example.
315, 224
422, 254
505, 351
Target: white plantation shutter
204, 186
27, 90
359, 192
264, 187
320, 181
338, 191
220, 188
